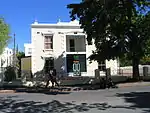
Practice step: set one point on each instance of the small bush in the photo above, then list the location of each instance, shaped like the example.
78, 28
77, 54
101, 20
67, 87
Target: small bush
10, 74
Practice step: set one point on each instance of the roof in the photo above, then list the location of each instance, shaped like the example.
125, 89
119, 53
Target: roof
74, 23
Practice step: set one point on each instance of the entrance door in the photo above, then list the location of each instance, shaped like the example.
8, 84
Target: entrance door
76, 68
49, 64
71, 60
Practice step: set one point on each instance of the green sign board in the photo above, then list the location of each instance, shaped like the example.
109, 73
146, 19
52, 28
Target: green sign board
76, 57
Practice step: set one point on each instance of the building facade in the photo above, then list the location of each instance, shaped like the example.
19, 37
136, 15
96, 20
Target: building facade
63, 46
6, 58
28, 49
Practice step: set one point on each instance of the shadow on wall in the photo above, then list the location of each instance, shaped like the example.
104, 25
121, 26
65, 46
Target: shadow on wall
40, 77
59, 65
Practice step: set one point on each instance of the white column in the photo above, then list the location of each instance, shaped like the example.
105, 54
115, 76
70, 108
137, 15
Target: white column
86, 51
65, 55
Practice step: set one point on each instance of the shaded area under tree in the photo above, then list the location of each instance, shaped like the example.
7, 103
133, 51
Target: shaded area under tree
137, 99
8, 105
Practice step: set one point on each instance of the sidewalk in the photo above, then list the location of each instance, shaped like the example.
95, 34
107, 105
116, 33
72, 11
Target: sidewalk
121, 85
36, 90
7, 91
69, 89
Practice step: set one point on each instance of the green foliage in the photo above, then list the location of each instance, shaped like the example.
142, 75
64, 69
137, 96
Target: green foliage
20, 55
117, 26
10, 74
124, 61
142, 46
4, 34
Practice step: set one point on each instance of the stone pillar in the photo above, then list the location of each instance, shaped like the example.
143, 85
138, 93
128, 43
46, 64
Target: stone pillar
108, 73
145, 71
97, 75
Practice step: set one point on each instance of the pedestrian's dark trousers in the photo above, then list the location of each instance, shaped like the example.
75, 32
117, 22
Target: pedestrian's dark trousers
49, 79
54, 81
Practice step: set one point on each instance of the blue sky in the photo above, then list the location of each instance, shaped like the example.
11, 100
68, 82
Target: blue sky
20, 14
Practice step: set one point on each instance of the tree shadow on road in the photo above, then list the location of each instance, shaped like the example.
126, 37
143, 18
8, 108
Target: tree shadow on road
137, 99
9, 105
16, 105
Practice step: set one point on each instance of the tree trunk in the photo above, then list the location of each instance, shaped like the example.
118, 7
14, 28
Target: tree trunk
19, 70
135, 64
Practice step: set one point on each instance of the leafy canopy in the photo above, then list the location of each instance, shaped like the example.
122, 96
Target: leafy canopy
116, 26
20, 54
4, 34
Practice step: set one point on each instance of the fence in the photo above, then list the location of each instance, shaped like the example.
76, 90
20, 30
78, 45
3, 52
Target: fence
128, 71
121, 71
39, 76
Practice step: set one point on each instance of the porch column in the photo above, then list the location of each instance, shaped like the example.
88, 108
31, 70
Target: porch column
65, 63
65, 55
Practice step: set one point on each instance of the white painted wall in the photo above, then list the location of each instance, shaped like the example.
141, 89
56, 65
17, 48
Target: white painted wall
113, 64
28, 49
90, 66
6, 58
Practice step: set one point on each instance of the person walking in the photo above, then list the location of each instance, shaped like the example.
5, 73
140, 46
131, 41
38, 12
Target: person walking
48, 73
54, 78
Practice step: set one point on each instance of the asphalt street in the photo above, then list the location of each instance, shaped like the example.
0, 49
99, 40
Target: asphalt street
123, 100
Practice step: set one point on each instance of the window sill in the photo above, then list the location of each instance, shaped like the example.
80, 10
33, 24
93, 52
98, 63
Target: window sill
45, 50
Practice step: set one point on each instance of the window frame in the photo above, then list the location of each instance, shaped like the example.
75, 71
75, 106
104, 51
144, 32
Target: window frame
102, 66
50, 43
30, 51
72, 48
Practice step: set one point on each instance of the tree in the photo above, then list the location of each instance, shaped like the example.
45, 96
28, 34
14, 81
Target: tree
118, 27
145, 60
4, 34
141, 32
19, 55
124, 61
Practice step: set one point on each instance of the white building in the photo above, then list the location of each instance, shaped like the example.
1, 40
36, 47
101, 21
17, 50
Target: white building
6, 58
28, 49
65, 44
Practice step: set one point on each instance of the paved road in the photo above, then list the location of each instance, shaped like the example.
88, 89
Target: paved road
125, 100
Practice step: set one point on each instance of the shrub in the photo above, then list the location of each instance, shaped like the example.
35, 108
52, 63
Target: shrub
10, 74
